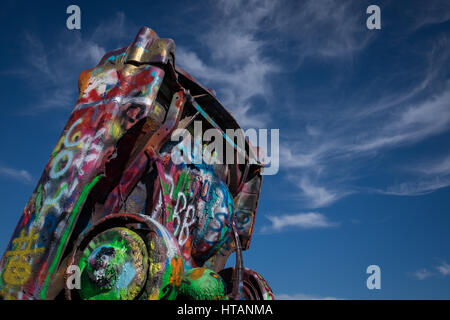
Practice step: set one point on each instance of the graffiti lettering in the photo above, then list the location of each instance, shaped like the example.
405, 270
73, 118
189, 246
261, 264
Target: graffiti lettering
18, 269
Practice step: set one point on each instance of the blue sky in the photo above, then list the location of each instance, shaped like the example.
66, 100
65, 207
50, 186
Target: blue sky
364, 119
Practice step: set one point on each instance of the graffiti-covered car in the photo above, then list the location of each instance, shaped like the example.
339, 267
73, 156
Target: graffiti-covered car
125, 211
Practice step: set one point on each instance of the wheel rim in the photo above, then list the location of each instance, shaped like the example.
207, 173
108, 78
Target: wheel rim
113, 266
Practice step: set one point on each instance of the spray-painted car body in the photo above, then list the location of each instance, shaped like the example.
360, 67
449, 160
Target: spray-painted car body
111, 186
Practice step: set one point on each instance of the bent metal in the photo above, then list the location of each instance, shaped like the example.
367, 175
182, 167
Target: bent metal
114, 207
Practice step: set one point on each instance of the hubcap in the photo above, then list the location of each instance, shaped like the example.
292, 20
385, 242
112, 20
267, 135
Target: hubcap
113, 266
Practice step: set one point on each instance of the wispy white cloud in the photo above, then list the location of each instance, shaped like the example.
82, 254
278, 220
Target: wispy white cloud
407, 125
435, 12
237, 69
428, 176
325, 28
435, 166
310, 220
323, 163
246, 40
444, 269
319, 196
422, 274
17, 174
293, 158
414, 123
52, 68
417, 188
303, 296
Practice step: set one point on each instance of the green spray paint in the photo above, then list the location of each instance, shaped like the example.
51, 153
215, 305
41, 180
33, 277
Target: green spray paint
76, 209
202, 284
